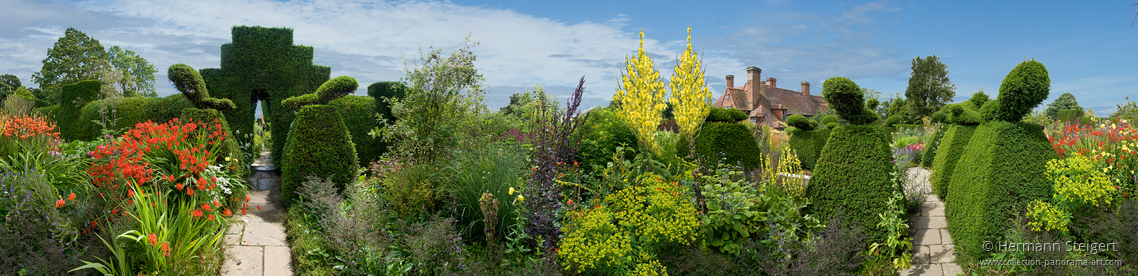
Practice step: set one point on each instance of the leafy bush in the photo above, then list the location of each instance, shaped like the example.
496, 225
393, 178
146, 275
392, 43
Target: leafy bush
945, 161
730, 143
829, 119
852, 173
601, 135
726, 115
413, 190
384, 94
624, 232
800, 122
1002, 169
836, 250
39, 234
318, 144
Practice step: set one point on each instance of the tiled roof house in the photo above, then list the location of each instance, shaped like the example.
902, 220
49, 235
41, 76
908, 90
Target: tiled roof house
766, 103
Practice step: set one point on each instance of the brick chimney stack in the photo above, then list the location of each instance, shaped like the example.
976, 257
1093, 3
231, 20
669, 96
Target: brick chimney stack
772, 82
805, 88
730, 81
753, 77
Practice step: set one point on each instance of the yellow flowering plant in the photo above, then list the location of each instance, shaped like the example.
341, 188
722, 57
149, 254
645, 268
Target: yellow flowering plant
1080, 186
640, 97
690, 97
622, 233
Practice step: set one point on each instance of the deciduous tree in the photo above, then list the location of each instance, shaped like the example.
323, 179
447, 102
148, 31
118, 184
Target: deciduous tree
74, 57
137, 73
929, 87
1065, 101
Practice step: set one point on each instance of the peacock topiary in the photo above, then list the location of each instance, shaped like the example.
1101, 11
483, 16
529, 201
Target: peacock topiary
319, 143
852, 171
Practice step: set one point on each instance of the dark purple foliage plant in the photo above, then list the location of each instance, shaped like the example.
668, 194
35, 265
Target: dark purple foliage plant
554, 148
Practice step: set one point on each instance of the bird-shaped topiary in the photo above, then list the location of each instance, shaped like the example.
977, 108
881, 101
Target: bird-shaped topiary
1004, 165
190, 83
319, 143
330, 90
852, 171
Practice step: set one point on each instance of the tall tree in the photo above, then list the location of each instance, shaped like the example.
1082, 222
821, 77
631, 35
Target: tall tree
690, 99
9, 83
74, 57
640, 95
137, 73
929, 87
1065, 101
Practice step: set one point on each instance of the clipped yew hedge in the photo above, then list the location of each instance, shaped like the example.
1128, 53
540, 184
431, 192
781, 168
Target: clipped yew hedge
358, 113
319, 144
731, 143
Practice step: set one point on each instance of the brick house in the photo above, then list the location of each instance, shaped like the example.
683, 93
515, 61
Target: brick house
765, 103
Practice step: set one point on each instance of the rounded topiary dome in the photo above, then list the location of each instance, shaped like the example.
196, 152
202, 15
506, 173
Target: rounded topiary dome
1025, 87
800, 122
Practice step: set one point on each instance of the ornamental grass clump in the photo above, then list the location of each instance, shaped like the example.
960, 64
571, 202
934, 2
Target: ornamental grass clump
1004, 166
852, 172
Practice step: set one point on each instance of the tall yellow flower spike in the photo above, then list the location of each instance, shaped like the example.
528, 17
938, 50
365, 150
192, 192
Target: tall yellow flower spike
640, 96
690, 98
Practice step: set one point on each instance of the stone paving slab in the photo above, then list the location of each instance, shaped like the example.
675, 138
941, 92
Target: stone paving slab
256, 244
933, 251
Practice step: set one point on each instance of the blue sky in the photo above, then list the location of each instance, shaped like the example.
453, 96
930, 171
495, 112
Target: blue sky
1086, 45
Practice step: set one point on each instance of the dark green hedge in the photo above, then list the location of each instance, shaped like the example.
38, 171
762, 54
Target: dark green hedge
48, 111
893, 120
358, 113
808, 144
852, 173
74, 97
129, 112
728, 142
263, 64
1070, 115
319, 144
1002, 169
829, 119
948, 155
932, 145
384, 93
230, 148
725, 115
800, 122
847, 99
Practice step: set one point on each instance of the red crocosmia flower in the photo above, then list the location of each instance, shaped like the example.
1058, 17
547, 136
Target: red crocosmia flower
179, 186
205, 207
242, 211
227, 213
153, 239
60, 203
247, 198
165, 249
71, 197
258, 207
197, 213
210, 216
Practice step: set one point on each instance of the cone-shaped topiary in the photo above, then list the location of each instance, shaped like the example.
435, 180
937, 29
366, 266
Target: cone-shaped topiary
852, 171
319, 143
932, 145
1003, 167
800, 122
190, 83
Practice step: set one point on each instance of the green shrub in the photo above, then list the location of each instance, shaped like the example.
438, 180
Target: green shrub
47, 111
725, 115
852, 175
963, 116
893, 120
1024, 88
602, 134
1002, 169
1070, 115
831, 125
74, 97
940, 115
728, 142
829, 119
358, 113
318, 144
800, 122
948, 155
808, 145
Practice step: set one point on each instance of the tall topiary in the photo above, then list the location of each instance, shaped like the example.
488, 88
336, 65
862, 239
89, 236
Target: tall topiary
358, 113
319, 143
1003, 168
74, 97
852, 171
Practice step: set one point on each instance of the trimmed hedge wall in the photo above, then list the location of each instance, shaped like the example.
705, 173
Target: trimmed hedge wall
728, 142
1070, 115
944, 163
932, 145
263, 64
1002, 169
725, 115
358, 113
74, 97
319, 144
852, 173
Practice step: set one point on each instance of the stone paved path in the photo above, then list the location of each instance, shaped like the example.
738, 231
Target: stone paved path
932, 245
256, 244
